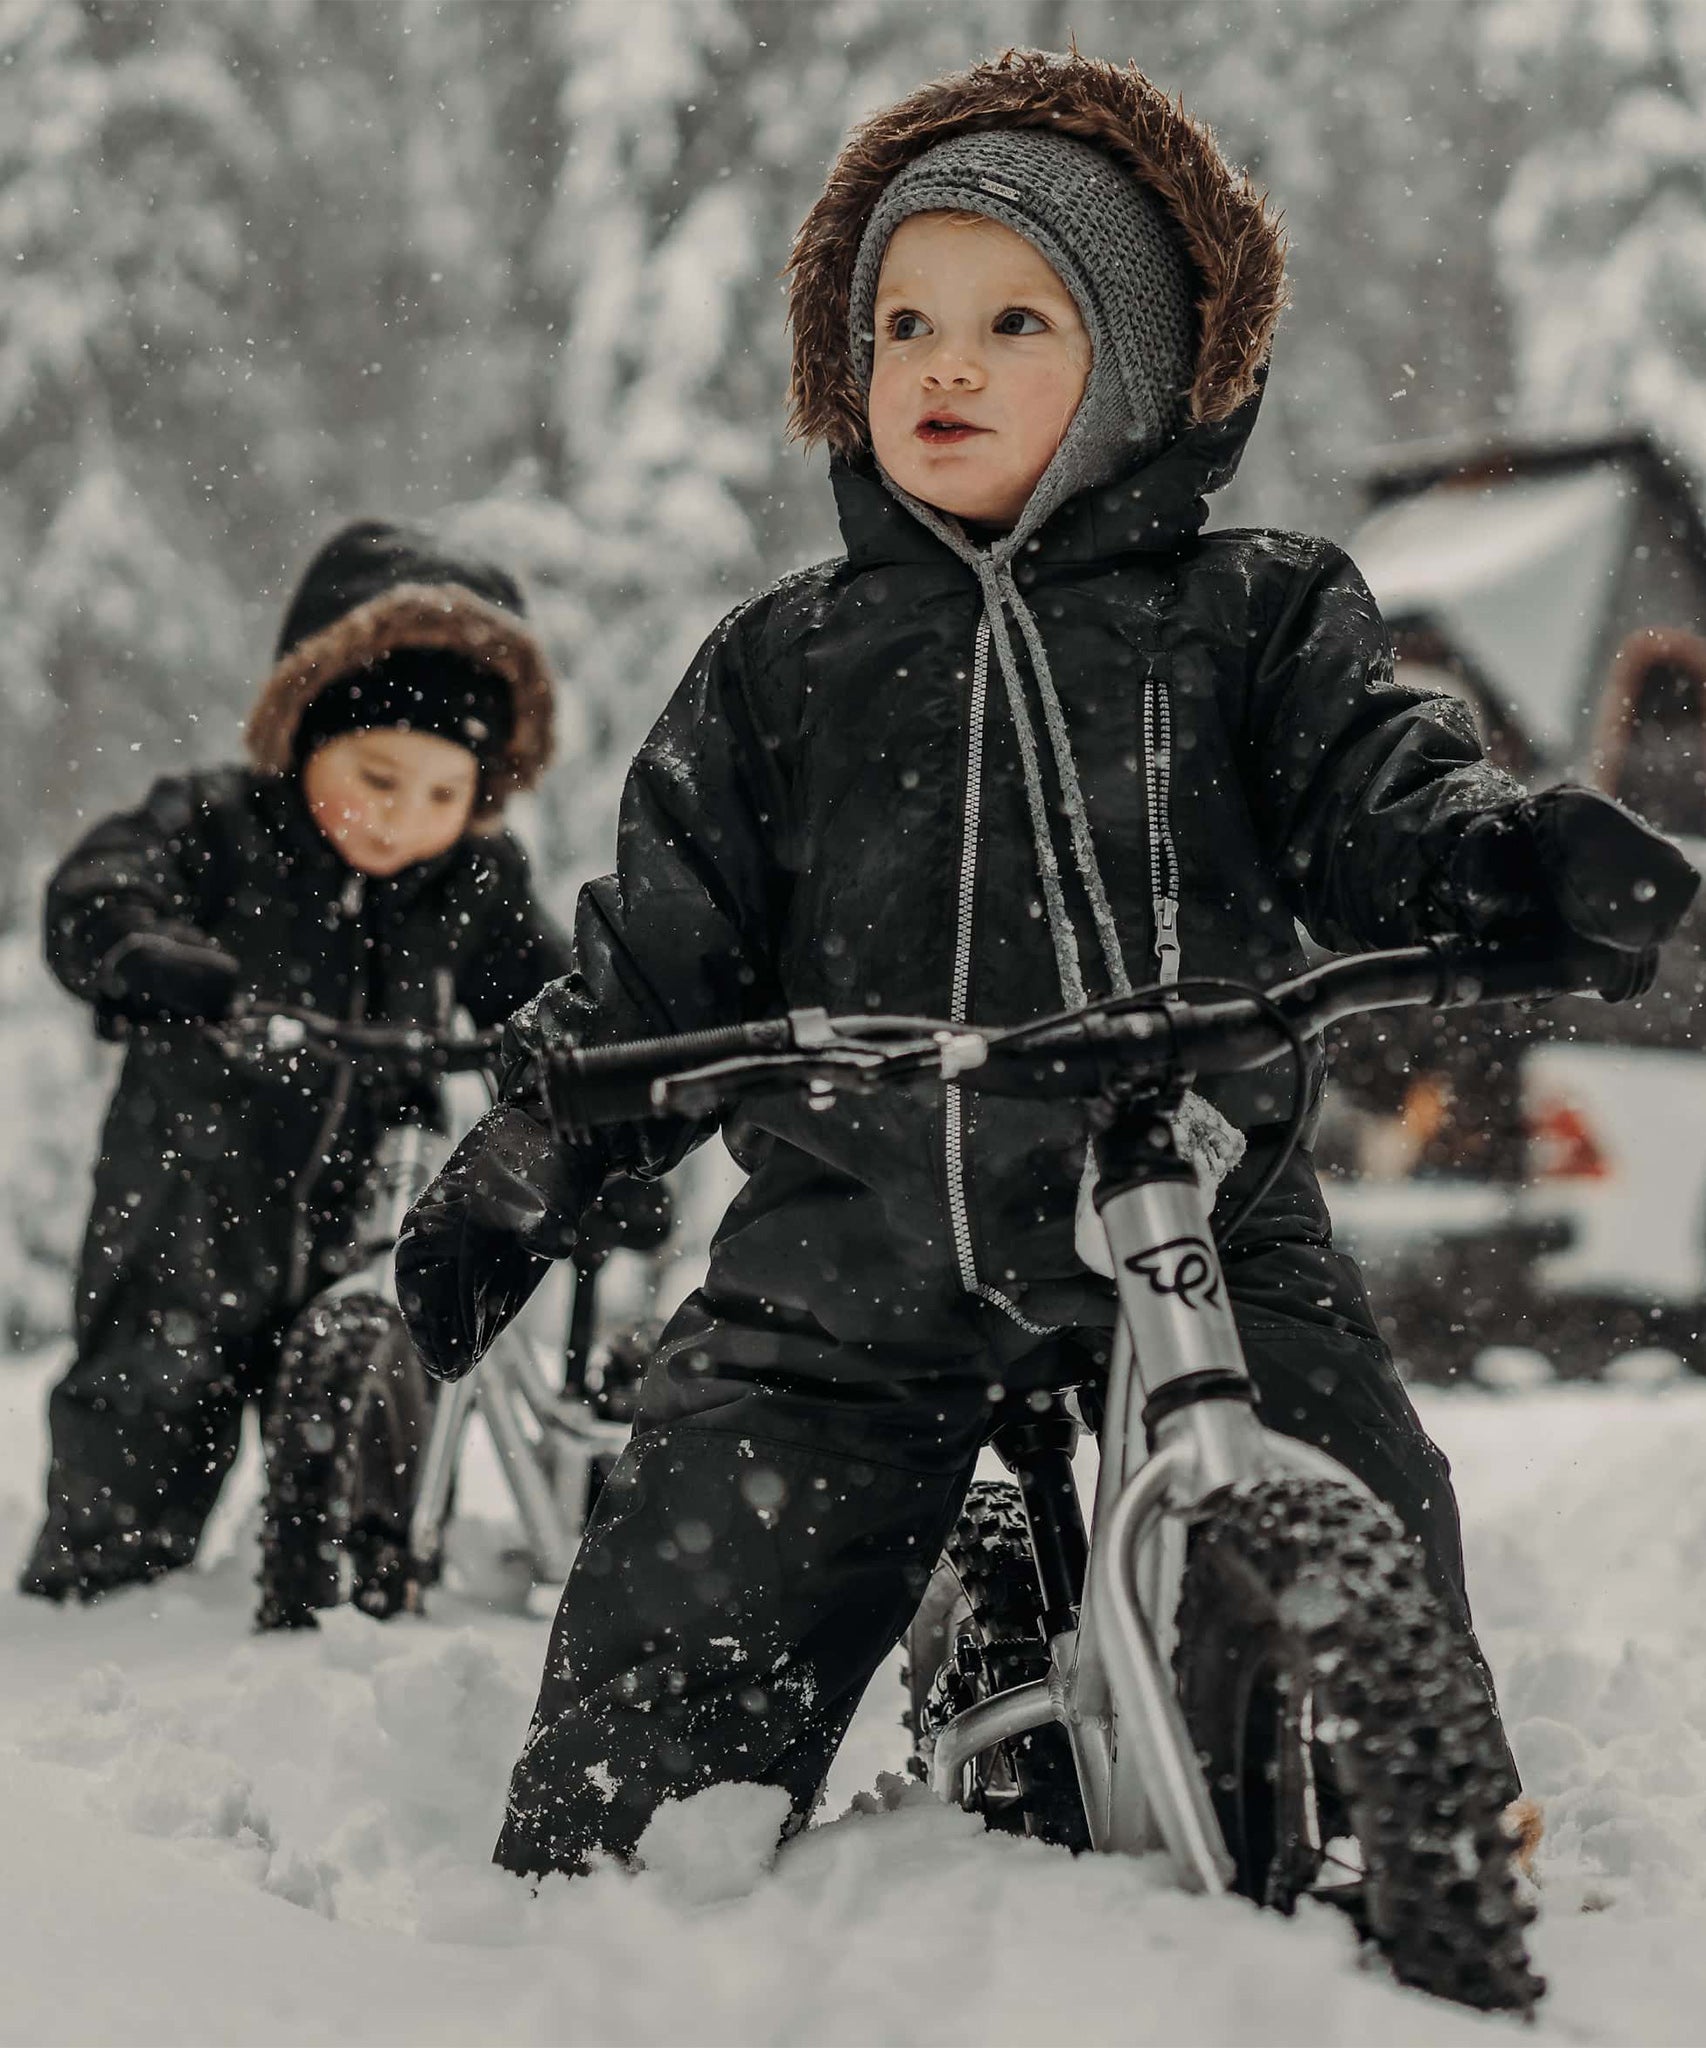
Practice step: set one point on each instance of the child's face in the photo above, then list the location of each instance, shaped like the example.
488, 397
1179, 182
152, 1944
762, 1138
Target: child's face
981, 359
387, 797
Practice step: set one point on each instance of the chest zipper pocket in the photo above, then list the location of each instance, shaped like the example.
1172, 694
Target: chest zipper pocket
1163, 852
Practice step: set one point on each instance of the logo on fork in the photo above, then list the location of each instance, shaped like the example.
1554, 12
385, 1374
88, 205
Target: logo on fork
1185, 1266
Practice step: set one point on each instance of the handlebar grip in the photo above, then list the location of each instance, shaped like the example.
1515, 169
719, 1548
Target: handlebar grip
1485, 974
591, 1087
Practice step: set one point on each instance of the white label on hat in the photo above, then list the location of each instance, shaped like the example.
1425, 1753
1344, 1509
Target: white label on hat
1000, 191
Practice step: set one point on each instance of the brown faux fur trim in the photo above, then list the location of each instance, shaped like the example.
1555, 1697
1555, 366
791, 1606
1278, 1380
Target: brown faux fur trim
1231, 236
1647, 648
432, 615
1525, 1827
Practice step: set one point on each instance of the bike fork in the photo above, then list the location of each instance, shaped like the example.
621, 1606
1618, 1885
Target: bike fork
1178, 1425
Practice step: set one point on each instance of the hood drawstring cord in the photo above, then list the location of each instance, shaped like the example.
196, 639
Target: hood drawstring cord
1204, 1136
995, 580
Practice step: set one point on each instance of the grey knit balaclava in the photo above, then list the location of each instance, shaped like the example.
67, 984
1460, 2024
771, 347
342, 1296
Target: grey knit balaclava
1112, 245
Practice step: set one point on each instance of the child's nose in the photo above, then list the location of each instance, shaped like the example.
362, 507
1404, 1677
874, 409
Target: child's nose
953, 371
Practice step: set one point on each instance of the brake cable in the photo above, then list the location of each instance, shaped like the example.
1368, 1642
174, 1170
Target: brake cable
1157, 997
1299, 1050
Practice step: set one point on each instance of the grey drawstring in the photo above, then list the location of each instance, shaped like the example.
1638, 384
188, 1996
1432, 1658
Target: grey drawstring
1205, 1137
1066, 767
996, 582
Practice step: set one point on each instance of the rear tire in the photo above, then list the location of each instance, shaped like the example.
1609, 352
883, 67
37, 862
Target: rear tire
1333, 1704
343, 1437
978, 1632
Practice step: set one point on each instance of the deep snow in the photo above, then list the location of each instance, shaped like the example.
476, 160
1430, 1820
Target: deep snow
210, 1838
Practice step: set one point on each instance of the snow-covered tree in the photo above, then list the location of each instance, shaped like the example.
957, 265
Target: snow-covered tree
1602, 232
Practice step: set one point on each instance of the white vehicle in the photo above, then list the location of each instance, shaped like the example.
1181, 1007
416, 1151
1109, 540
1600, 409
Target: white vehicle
1560, 589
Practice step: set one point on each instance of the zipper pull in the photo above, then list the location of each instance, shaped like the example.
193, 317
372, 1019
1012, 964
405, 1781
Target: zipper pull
1167, 949
353, 892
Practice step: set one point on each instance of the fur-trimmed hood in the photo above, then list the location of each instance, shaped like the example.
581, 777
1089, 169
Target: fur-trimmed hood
1233, 240
374, 588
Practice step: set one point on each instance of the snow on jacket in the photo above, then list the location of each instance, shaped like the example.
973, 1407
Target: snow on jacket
831, 810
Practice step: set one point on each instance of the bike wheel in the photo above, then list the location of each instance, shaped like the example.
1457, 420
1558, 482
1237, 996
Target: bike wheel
979, 1631
1350, 1747
342, 1439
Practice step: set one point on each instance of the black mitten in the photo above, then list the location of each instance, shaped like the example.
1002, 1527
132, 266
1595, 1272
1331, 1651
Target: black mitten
632, 1215
169, 975
481, 1238
1565, 863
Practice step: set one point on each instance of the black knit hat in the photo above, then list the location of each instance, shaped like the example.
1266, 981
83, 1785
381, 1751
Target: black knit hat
421, 689
388, 626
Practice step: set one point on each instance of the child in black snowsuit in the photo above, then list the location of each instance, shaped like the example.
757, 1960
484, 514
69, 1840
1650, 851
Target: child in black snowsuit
358, 868
1034, 734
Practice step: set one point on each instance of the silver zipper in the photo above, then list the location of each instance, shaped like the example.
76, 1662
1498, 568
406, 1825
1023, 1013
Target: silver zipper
1163, 853
959, 1216
959, 1212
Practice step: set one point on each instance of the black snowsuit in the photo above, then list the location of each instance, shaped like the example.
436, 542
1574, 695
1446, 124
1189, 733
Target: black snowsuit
223, 1195
801, 829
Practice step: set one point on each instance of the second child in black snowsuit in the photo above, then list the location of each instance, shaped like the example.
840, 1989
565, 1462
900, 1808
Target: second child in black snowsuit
225, 1196
1035, 734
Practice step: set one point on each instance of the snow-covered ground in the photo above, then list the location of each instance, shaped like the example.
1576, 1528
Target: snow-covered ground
209, 1838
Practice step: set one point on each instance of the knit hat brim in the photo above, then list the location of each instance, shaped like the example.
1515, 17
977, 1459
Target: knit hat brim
444, 617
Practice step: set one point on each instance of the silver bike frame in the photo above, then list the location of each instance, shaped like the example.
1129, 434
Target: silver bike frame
1109, 1683
545, 1441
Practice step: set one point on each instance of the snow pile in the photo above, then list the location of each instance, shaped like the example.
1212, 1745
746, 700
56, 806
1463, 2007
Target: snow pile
213, 1837
1587, 1539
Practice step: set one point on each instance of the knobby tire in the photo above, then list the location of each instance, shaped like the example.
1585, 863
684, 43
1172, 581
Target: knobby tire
1332, 1701
342, 1437
980, 1632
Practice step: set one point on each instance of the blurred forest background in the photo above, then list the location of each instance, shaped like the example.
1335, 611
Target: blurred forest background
513, 264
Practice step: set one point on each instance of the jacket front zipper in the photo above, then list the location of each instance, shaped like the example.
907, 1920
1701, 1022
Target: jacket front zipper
1164, 897
959, 1210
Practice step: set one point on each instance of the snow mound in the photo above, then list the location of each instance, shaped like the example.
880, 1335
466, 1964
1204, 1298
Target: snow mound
342, 1768
717, 1844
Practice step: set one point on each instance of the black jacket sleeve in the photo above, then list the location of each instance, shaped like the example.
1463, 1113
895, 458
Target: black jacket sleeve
681, 936
1360, 786
521, 946
138, 871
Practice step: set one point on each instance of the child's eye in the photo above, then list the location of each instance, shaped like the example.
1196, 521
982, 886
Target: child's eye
907, 326
375, 780
446, 796
1021, 320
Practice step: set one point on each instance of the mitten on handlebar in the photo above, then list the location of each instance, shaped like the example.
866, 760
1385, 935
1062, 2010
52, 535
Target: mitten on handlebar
594, 1086
480, 1239
168, 975
1566, 863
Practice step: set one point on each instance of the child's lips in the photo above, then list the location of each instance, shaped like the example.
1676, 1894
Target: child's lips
941, 430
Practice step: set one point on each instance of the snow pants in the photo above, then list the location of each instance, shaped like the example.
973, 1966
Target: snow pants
143, 1433
765, 1539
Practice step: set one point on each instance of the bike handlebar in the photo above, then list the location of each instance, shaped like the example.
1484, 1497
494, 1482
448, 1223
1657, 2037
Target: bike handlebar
1150, 1038
271, 1028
